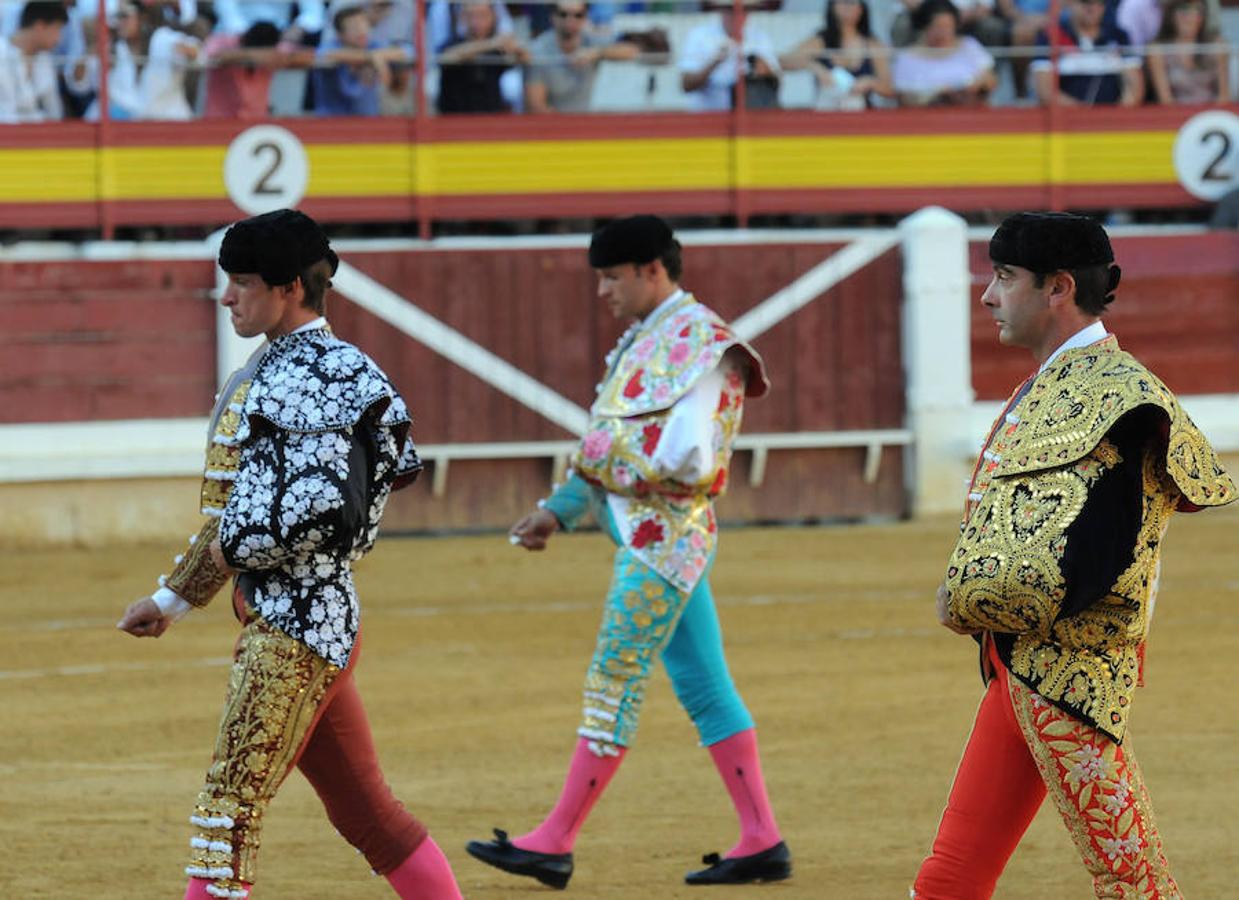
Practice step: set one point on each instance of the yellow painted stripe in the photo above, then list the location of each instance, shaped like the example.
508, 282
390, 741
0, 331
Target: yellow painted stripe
1130, 157
892, 161
362, 170
52, 175
545, 167
163, 173
581, 166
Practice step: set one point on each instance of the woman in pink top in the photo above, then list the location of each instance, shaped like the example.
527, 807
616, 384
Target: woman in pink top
943, 68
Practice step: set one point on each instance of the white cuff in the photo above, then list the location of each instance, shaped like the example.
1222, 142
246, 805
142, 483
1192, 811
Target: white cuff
171, 604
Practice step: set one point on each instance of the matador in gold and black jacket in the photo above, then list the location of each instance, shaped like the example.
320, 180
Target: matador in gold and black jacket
1058, 555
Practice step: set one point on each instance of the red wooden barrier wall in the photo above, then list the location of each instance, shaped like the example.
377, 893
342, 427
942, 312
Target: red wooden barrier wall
82, 341
135, 339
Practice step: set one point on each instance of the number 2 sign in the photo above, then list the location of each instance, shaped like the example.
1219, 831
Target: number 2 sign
1206, 154
265, 169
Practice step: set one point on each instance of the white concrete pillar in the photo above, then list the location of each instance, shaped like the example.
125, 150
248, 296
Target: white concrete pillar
937, 358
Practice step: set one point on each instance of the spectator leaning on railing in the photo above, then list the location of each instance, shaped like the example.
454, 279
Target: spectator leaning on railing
1180, 69
471, 67
170, 55
564, 60
1095, 67
712, 58
943, 68
849, 62
29, 91
238, 82
362, 67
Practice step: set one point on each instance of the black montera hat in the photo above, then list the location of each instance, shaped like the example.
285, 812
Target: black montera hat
278, 245
1049, 242
636, 239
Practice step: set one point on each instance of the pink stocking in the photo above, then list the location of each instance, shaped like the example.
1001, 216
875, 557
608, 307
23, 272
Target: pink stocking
588, 777
425, 875
738, 763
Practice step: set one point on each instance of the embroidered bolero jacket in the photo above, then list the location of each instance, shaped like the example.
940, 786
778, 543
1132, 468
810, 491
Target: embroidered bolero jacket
656, 365
303, 456
1058, 550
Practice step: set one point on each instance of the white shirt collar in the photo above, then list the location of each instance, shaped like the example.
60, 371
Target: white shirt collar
1090, 334
320, 322
664, 306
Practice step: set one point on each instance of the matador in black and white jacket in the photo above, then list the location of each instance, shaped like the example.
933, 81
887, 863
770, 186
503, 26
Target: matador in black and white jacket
306, 443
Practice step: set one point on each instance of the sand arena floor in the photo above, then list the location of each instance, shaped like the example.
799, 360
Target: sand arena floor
473, 657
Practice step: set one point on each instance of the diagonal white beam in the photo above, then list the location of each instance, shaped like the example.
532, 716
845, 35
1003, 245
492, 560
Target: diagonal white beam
812, 284
455, 347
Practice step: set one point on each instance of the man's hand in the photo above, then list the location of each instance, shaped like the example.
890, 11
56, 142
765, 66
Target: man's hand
143, 619
944, 613
217, 557
533, 531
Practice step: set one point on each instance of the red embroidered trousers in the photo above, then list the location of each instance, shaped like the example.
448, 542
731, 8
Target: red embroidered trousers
1022, 748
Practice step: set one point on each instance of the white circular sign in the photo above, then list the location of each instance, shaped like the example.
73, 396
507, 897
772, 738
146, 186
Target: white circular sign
265, 169
1206, 154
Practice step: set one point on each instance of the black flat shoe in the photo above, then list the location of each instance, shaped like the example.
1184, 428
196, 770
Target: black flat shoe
774, 864
553, 869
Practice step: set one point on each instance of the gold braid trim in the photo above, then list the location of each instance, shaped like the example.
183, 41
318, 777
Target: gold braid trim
274, 692
223, 456
1099, 791
1077, 400
1004, 574
196, 578
1090, 662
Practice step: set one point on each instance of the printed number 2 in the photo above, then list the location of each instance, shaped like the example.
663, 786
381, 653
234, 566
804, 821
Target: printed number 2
1212, 171
263, 185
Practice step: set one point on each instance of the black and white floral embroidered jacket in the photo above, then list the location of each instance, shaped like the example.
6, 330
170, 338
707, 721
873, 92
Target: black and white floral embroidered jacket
323, 438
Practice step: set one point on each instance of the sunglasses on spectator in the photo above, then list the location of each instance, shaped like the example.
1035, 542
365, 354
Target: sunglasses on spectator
570, 13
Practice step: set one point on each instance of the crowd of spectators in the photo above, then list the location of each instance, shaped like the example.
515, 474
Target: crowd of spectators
179, 59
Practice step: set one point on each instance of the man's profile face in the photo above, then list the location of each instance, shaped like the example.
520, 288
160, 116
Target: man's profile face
255, 307
1020, 308
628, 290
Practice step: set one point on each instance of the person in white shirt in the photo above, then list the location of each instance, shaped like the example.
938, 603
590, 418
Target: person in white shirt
649, 466
162, 82
29, 91
712, 60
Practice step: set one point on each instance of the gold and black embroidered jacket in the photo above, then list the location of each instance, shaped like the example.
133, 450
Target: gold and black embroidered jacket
1058, 552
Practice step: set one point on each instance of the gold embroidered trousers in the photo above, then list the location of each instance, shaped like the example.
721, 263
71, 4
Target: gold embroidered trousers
287, 706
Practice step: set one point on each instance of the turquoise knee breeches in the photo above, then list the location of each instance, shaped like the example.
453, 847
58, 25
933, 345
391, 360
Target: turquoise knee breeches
646, 617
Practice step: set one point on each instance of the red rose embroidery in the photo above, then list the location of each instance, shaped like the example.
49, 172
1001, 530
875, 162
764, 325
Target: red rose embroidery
648, 532
686, 331
711, 526
650, 435
720, 482
634, 388
723, 401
